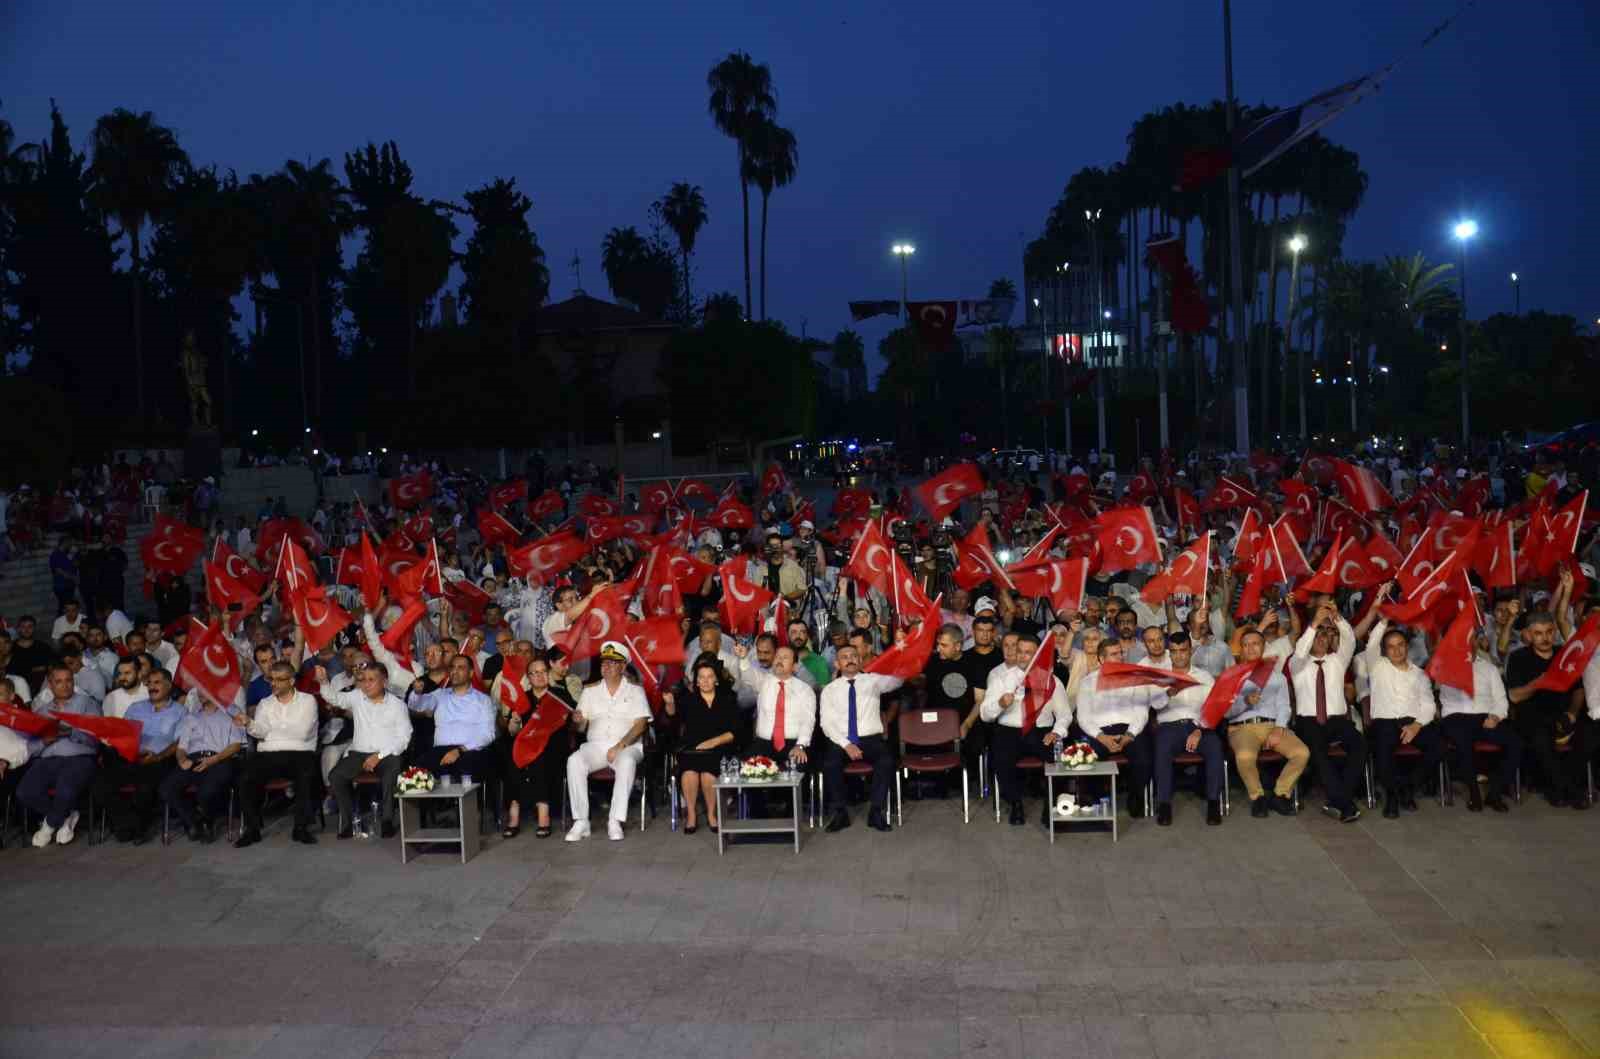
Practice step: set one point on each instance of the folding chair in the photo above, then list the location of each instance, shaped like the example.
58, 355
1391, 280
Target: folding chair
919, 730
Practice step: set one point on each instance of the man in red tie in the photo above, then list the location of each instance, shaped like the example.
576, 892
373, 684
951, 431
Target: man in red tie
786, 708
1322, 716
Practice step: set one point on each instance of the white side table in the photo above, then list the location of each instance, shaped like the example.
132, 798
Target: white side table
1054, 771
464, 834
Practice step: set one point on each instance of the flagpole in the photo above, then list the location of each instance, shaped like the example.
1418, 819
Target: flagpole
1241, 381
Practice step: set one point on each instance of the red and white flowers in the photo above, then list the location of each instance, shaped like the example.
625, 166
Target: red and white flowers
414, 779
1077, 755
759, 768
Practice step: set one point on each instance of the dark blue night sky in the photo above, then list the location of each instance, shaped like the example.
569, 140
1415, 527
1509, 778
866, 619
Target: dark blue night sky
952, 125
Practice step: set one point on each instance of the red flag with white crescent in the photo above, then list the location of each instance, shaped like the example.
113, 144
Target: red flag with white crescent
539, 561
1115, 675
549, 718
944, 492
1219, 700
1566, 668
1184, 576
118, 733
908, 657
238, 567
210, 664
869, 562
320, 618
224, 592
503, 496
1451, 662
742, 601
1127, 537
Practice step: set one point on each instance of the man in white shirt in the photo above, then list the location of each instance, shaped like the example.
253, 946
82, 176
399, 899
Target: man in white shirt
786, 709
1005, 707
70, 620
613, 714
382, 733
1402, 712
1178, 724
127, 689
1317, 671
852, 719
285, 727
98, 653
159, 649
1481, 717
1115, 721
1206, 651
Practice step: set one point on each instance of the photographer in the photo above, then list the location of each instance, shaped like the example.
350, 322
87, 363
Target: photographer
776, 571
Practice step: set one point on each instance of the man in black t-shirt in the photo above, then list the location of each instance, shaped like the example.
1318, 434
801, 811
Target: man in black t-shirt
955, 680
1543, 716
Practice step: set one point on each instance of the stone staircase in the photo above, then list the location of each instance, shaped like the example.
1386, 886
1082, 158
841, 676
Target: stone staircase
25, 583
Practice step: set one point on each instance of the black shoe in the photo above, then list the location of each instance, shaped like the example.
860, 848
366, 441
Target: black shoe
1018, 817
1284, 806
1475, 799
878, 820
1556, 799
300, 834
1259, 807
1408, 799
247, 838
344, 832
1350, 815
1579, 802
838, 821
1496, 802
1331, 810
1163, 814
389, 830
1213, 812
1391, 807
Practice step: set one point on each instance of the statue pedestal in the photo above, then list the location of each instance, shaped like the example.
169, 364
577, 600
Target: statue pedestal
202, 453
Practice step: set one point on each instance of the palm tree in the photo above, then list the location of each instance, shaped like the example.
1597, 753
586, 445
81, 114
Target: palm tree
683, 209
620, 254
1424, 289
135, 165
315, 208
741, 96
771, 161
850, 356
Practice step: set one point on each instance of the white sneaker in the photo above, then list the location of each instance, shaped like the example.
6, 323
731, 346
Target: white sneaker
42, 837
614, 831
69, 829
579, 831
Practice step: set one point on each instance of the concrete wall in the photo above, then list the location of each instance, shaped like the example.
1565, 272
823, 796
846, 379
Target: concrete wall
25, 583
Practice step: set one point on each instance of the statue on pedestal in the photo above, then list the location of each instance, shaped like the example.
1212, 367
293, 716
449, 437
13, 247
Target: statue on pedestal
194, 373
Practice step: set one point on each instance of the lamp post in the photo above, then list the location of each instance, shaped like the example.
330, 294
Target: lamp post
1090, 219
1064, 320
903, 251
1516, 293
1464, 230
1297, 243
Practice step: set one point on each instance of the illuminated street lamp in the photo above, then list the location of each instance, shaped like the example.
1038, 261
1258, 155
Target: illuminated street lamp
1464, 230
903, 251
1516, 292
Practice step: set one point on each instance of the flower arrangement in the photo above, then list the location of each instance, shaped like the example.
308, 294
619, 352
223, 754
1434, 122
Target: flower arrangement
1077, 755
759, 768
414, 779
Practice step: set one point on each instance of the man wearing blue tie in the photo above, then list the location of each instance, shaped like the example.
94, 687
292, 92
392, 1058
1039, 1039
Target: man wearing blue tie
852, 720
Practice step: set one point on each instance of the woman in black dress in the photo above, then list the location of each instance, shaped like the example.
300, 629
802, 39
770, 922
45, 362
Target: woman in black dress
710, 715
539, 784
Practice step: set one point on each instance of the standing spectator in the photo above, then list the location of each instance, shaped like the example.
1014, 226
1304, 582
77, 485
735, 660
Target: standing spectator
113, 577
63, 573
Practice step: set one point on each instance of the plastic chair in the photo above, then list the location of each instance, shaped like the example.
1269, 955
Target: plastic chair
1184, 759
604, 775
154, 497
190, 791
919, 730
1479, 746
284, 786
1024, 764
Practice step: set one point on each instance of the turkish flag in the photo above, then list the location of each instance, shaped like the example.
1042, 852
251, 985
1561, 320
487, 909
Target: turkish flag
602, 620
165, 527
210, 664
1418, 565
944, 492
549, 718
1436, 588
397, 637
393, 562
908, 657
408, 491
659, 641
1229, 494
688, 571
848, 503
170, 554
547, 504
1248, 541
294, 570
467, 598
26, 721
657, 496
1326, 578
1452, 659
869, 562
238, 567
1114, 675
731, 514
742, 602
1566, 668
1188, 508
1299, 497
976, 562
773, 480
1140, 486
424, 577
659, 593
1127, 537
320, 618
495, 530
596, 506
1316, 468
1061, 581
538, 561
1226, 688
1039, 680
223, 592
1360, 487
118, 733
694, 489
1472, 495
1366, 564
505, 495
601, 528
1041, 548
908, 595
1494, 559
509, 690
371, 578
419, 526
1562, 536
935, 323
1263, 569
1184, 576
1292, 561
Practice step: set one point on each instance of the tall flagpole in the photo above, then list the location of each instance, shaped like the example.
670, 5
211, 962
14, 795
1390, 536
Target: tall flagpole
1241, 378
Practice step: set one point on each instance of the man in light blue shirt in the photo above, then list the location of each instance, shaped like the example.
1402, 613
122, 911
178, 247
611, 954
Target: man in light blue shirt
66, 765
209, 742
463, 726
130, 812
1259, 720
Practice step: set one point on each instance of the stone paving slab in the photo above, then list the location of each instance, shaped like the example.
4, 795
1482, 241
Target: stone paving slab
1442, 933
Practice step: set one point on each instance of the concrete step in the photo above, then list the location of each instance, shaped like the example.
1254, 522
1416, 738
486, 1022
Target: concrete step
25, 583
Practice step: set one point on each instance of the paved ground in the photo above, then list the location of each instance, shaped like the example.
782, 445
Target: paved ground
1441, 934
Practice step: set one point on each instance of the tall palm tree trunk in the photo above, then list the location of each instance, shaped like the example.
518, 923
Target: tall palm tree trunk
138, 329
744, 196
764, 198
316, 349
688, 298
1269, 355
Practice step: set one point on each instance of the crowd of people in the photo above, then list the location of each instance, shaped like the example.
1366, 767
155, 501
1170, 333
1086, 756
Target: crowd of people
1299, 616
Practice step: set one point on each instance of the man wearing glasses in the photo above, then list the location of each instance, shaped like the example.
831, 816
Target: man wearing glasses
285, 727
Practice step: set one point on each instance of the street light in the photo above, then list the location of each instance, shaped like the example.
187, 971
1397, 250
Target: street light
1465, 230
1516, 292
903, 251
1297, 243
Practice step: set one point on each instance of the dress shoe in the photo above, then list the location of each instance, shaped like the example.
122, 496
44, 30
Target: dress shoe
1495, 802
68, 829
44, 836
389, 830
248, 837
1391, 806
1579, 802
1018, 817
1136, 806
1259, 807
1213, 812
301, 835
1163, 814
1283, 805
1350, 814
1408, 799
1475, 799
838, 822
879, 821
